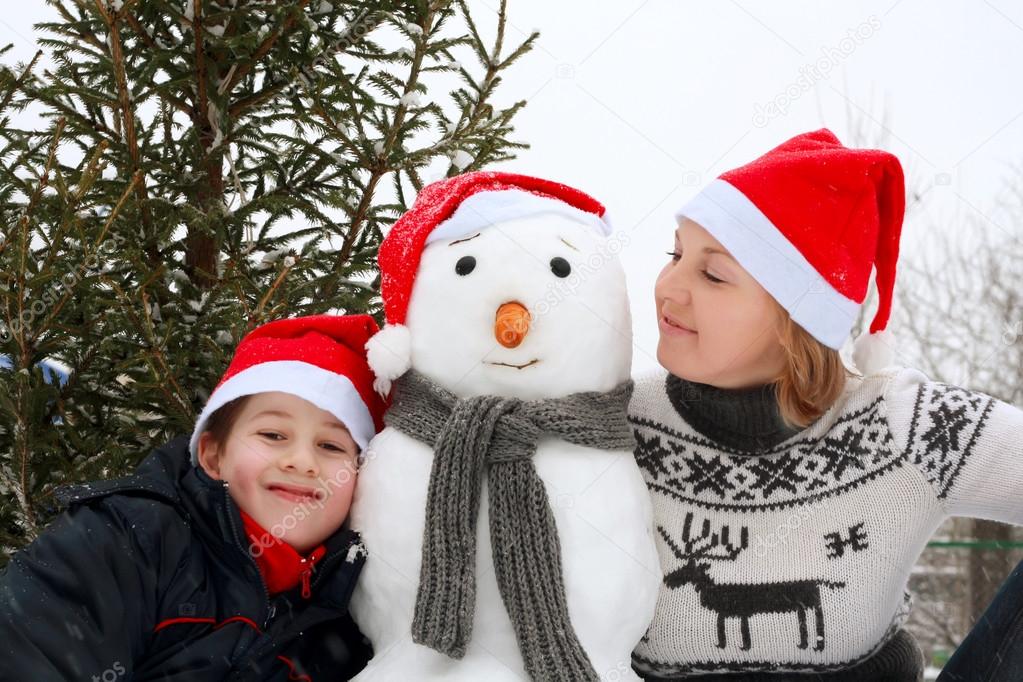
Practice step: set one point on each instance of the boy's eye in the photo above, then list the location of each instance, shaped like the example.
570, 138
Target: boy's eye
271, 435
332, 447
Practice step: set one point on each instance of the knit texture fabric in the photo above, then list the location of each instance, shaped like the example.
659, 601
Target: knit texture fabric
790, 552
747, 420
498, 436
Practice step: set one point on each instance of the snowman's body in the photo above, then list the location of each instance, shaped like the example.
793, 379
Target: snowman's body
603, 516
598, 497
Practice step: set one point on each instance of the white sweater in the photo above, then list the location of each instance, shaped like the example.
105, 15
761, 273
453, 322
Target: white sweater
808, 545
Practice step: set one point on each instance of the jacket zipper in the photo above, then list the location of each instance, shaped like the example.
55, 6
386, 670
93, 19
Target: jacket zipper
306, 591
269, 608
326, 561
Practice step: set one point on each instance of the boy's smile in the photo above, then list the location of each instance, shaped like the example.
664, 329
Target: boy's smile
289, 465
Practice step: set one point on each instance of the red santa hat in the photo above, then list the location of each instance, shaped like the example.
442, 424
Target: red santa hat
319, 358
808, 220
448, 209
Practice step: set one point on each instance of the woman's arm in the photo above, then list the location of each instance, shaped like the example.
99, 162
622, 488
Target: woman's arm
968, 445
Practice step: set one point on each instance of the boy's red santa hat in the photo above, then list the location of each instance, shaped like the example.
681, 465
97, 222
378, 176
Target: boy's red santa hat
808, 220
446, 210
319, 358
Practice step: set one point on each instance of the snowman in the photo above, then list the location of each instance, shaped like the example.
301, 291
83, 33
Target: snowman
507, 523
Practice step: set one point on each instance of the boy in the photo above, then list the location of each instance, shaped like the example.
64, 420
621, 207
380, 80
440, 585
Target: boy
223, 556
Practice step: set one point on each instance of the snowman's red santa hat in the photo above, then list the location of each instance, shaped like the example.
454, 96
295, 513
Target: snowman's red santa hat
319, 358
808, 220
449, 209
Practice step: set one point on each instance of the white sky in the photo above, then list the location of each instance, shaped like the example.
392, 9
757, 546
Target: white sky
641, 102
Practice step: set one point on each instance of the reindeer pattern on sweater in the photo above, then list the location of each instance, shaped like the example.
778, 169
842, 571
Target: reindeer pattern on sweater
797, 558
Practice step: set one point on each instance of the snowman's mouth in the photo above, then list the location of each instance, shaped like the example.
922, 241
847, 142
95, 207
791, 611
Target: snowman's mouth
508, 364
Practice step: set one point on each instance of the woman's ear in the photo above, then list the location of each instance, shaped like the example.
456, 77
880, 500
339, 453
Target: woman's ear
209, 454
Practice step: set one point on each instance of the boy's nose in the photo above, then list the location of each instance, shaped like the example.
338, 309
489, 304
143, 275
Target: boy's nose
299, 460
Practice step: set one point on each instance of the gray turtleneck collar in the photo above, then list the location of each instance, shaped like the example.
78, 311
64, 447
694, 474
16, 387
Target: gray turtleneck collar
746, 419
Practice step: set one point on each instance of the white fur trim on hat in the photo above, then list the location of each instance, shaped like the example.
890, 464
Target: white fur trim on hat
497, 206
389, 354
328, 390
766, 254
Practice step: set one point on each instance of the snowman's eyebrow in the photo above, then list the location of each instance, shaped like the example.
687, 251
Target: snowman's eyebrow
567, 244
459, 241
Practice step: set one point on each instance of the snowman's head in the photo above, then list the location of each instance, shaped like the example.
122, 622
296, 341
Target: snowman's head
531, 307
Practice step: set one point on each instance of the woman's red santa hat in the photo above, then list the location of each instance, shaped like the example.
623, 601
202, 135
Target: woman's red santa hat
449, 209
319, 358
808, 220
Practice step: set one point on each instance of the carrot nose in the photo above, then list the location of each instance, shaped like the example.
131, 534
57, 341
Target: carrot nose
511, 324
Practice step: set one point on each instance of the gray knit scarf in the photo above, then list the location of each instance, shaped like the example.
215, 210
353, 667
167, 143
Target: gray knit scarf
498, 436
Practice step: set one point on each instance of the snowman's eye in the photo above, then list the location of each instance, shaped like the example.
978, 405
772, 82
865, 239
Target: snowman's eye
560, 266
465, 265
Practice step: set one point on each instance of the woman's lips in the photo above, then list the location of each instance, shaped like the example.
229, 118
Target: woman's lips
673, 328
293, 493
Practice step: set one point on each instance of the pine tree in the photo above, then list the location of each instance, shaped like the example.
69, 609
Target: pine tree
204, 166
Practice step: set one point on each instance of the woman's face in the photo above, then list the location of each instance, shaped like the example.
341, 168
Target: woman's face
289, 465
718, 325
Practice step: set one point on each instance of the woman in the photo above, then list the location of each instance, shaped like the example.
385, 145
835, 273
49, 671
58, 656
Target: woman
791, 496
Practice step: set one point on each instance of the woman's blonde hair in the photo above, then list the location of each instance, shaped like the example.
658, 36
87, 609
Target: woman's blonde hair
813, 377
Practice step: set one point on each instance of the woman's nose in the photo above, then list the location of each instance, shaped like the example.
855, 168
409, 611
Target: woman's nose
675, 284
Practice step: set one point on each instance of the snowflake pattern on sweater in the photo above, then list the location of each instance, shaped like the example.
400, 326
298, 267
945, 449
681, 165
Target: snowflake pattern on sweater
796, 558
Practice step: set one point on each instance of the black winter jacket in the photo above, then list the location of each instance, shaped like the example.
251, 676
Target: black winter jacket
147, 577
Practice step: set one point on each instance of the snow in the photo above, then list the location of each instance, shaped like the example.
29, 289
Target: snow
179, 276
213, 114
273, 256
412, 99
580, 329
461, 159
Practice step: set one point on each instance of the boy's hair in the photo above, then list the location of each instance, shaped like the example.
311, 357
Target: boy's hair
813, 378
220, 423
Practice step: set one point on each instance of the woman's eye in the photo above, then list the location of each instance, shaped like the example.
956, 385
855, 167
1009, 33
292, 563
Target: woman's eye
465, 265
271, 435
560, 267
712, 278
674, 255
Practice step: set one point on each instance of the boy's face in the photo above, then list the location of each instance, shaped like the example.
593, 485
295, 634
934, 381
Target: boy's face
718, 324
289, 465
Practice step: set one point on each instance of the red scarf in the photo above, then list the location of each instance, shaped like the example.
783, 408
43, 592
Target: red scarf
280, 565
